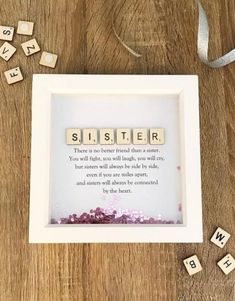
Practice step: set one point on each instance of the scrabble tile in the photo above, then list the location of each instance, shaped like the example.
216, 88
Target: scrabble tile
90, 136
227, 264
156, 136
123, 136
48, 59
106, 136
140, 136
6, 33
7, 51
13, 75
73, 136
192, 265
220, 237
25, 28
30, 47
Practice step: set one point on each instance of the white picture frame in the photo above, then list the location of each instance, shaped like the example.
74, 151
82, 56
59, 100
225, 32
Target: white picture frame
186, 89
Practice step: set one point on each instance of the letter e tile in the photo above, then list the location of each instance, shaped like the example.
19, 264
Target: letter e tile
192, 265
140, 136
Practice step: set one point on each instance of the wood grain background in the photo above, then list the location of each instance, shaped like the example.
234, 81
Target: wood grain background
80, 32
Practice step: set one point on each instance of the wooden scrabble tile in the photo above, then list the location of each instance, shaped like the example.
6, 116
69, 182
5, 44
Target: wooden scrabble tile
227, 264
13, 75
7, 51
156, 136
30, 47
140, 136
48, 59
90, 136
123, 136
25, 28
220, 237
192, 265
106, 136
73, 136
6, 33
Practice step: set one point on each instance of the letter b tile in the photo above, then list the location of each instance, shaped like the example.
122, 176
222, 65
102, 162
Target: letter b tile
192, 265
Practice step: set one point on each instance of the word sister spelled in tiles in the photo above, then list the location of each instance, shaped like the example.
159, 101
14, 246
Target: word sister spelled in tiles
122, 136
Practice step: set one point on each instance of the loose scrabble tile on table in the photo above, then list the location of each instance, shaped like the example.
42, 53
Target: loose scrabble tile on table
140, 136
227, 264
106, 136
48, 59
25, 28
30, 47
89, 136
220, 237
192, 265
7, 51
6, 33
123, 136
156, 136
73, 136
13, 75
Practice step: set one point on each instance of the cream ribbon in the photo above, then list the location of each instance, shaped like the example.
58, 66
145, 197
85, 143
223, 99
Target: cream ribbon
202, 41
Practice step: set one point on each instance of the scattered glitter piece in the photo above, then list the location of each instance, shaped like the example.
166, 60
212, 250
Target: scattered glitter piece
111, 216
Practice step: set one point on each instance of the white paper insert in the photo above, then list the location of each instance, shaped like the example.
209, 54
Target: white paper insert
129, 177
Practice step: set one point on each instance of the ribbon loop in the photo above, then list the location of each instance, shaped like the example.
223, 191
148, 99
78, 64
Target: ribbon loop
202, 41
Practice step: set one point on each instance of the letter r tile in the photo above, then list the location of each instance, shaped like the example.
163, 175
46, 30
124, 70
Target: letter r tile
156, 136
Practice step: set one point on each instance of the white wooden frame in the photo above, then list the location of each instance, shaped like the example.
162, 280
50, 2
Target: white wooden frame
186, 87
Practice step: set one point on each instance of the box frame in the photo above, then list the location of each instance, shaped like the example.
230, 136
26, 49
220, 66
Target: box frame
186, 87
